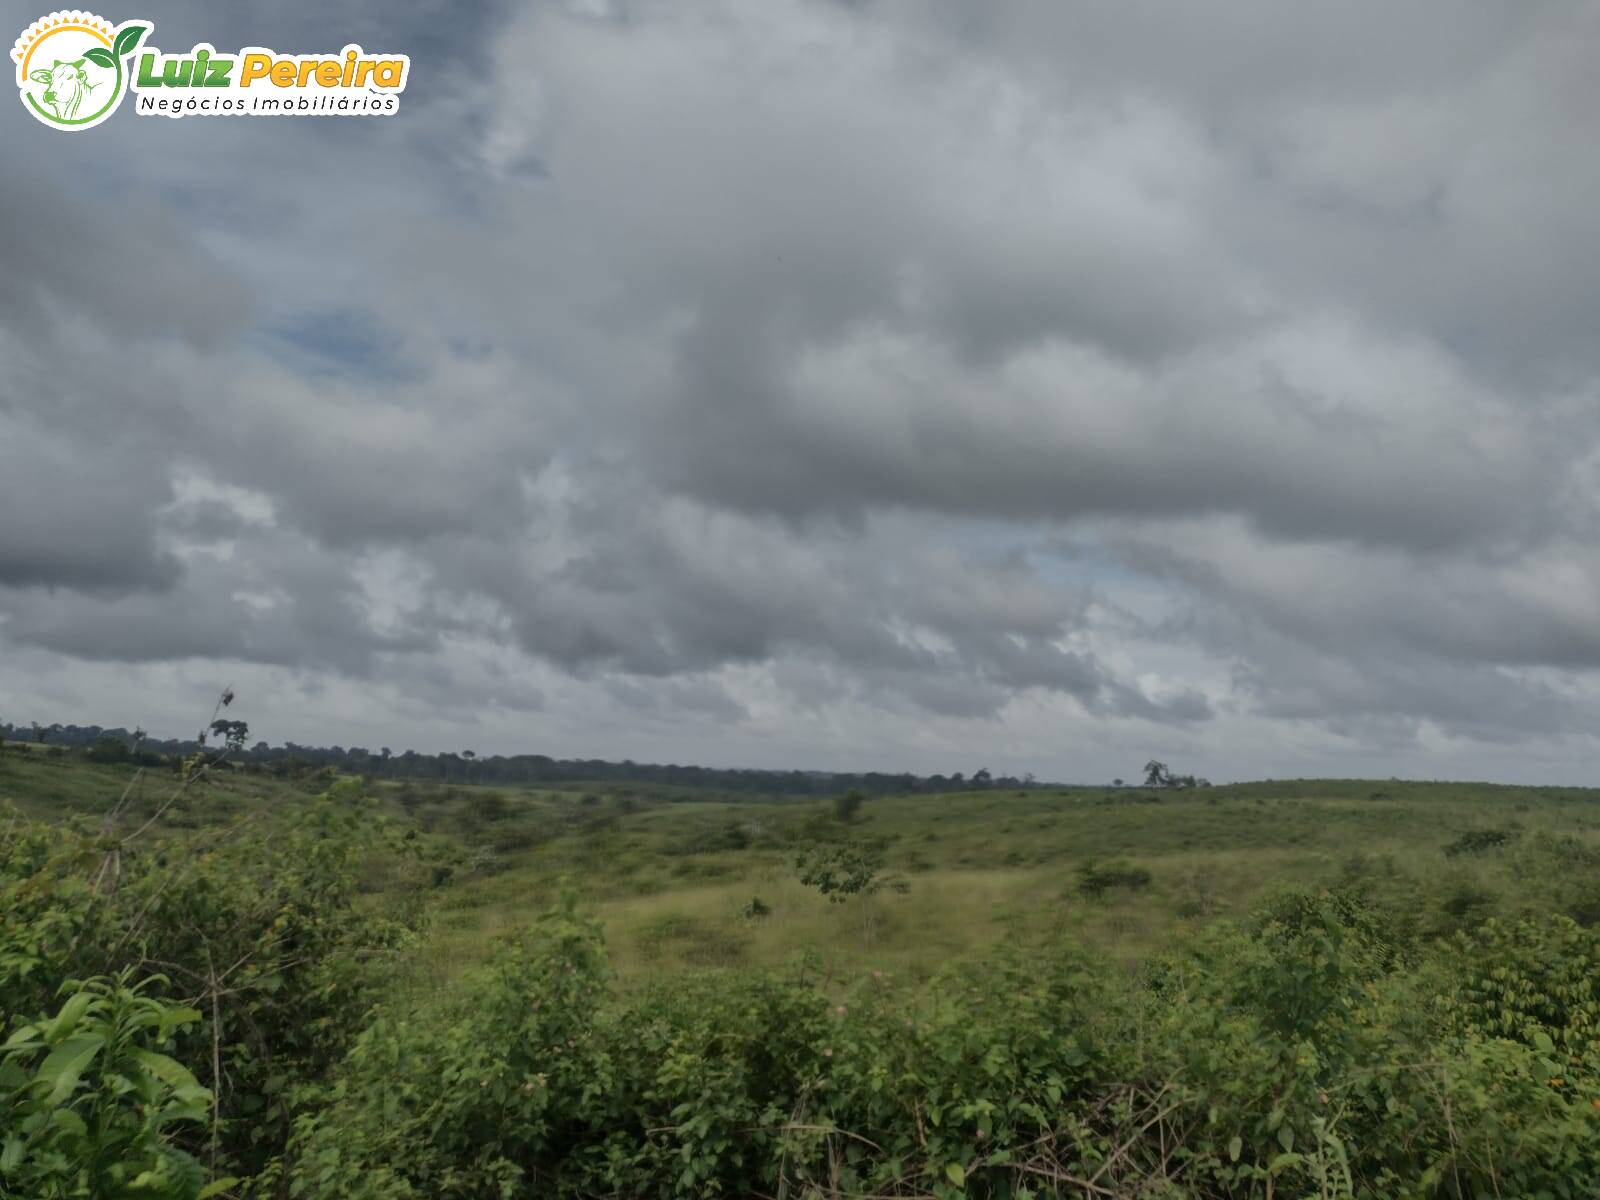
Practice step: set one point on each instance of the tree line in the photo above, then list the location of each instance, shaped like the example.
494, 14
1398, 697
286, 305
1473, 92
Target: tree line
135, 746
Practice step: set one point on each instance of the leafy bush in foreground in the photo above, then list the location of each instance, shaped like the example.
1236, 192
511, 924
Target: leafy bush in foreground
85, 1098
1298, 1056
260, 940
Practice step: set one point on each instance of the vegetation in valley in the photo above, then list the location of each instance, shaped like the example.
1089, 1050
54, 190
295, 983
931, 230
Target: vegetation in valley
219, 977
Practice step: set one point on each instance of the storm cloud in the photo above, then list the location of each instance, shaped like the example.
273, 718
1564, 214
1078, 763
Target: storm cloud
1033, 385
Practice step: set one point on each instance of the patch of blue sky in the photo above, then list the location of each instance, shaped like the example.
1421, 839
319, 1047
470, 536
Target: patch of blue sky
339, 343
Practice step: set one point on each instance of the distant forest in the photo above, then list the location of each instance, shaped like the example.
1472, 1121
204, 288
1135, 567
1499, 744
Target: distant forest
124, 745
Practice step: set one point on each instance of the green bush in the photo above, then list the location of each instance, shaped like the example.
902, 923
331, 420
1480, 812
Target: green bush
86, 1099
756, 909
1096, 879
847, 805
1477, 841
1292, 1049
262, 936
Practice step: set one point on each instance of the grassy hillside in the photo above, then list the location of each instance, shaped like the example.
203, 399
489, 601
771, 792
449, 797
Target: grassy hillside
671, 877
671, 881
53, 783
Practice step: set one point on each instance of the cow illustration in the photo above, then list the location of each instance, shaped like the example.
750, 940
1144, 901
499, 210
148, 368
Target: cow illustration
67, 88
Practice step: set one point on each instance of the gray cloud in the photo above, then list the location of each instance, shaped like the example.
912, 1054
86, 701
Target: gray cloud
875, 384
76, 515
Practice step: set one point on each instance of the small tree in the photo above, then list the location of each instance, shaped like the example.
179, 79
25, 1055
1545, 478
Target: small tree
845, 869
1156, 774
232, 734
841, 870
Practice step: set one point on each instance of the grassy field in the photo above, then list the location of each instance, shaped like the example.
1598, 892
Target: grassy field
982, 867
51, 782
673, 878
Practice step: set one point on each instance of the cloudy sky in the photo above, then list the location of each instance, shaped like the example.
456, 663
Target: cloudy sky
920, 386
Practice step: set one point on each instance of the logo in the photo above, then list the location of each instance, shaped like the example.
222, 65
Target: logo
73, 69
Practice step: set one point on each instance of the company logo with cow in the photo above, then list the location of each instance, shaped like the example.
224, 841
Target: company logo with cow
74, 68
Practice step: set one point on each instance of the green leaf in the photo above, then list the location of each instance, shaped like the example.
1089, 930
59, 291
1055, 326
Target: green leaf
171, 1072
956, 1175
214, 1189
175, 1018
71, 1122
100, 56
71, 1013
1286, 1137
60, 1071
1234, 1147
181, 1112
128, 40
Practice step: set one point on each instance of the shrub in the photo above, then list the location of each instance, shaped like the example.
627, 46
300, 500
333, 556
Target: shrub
1466, 905
108, 749
263, 936
490, 807
86, 1099
1532, 980
1095, 879
303, 961
735, 1085
1288, 1048
846, 807
1477, 841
